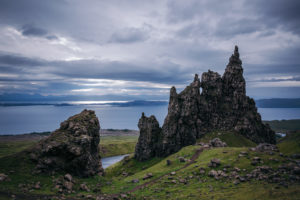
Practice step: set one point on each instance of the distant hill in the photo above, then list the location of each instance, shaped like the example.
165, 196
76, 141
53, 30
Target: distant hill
278, 103
284, 125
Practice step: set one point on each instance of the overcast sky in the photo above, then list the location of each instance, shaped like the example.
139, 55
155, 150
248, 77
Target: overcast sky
141, 48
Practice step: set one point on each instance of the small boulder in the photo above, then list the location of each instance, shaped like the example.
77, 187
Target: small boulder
181, 159
214, 162
216, 142
135, 181
3, 177
68, 177
37, 185
202, 170
266, 147
169, 162
183, 180
68, 185
213, 173
147, 176
84, 187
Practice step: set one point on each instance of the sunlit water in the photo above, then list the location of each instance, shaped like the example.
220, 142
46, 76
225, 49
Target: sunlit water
26, 119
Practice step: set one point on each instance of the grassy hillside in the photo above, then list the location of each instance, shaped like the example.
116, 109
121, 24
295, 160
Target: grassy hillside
232, 139
11, 147
185, 183
290, 144
110, 145
117, 145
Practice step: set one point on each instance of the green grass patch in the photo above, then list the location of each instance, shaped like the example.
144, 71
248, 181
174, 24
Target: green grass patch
290, 144
117, 145
11, 147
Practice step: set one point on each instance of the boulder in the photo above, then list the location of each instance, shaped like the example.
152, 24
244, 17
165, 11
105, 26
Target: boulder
265, 147
147, 176
215, 162
216, 142
3, 177
73, 148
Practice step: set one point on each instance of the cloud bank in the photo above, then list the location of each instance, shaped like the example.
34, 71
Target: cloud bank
142, 48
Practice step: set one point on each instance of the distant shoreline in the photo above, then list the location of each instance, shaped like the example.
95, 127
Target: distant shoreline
260, 103
41, 135
79, 103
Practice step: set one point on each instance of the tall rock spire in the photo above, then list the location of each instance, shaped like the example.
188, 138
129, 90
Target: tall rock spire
235, 58
222, 106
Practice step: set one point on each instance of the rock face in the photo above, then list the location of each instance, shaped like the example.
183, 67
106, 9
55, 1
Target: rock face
222, 105
150, 137
72, 148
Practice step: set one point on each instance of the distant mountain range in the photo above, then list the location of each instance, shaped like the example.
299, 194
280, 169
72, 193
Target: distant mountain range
123, 101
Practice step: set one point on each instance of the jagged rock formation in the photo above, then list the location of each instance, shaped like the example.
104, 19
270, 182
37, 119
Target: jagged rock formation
222, 105
150, 135
72, 148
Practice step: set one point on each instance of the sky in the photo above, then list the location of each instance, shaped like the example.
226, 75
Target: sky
139, 49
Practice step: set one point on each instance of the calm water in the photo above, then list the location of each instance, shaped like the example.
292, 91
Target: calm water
106, 162
26, 119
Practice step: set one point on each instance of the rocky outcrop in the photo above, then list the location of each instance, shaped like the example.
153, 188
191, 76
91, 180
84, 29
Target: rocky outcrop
149, 140
72, 148
222, 105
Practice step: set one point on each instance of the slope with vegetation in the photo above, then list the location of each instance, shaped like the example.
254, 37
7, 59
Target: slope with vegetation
178, 176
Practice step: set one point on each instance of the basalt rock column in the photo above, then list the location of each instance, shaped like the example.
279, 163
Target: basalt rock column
149, 143
182, 123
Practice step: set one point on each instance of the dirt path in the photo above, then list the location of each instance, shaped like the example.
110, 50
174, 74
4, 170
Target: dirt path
194, 157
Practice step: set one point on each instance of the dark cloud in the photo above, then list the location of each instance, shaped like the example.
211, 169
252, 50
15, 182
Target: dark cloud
114, 70
283, 14
128, 35
19, 61
33, 31
30, 30
161, 42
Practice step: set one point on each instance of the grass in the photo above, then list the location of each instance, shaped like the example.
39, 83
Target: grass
198, 187
11, 147
118, 178
117, 145
290, 144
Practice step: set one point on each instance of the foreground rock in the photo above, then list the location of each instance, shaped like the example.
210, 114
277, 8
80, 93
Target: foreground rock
72, 148
222, 105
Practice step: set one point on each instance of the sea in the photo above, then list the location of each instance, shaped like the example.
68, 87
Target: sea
42, 118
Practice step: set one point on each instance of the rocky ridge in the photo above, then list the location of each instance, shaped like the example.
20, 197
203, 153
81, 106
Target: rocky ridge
72, 148
222, 105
